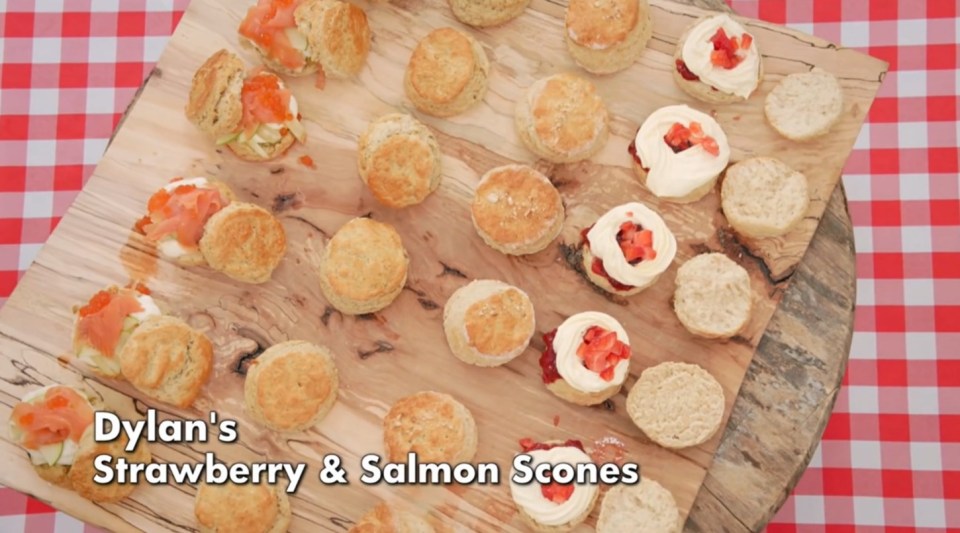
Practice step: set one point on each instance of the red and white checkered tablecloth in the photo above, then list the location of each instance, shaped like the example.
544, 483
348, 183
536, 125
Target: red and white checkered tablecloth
890, 457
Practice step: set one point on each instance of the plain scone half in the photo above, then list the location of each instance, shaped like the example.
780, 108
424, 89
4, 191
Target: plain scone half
488, 322
247, 508
713, 298
763, 197
804, 105
607, 36
432, 425
646, 507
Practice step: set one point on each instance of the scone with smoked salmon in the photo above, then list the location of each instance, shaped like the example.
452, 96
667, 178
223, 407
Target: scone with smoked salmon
562, 119
646, 507
717, 61
254, 114
177, 214
486, 13
447, 73
104, 324
244, 241
399, 160
433, 425
488, 322
553, 508
167, 360
586, 358
247, 508
517, 210
298, 37
363, 267
291, 386
54, 425
607, 36
627, 249
386, 518
679, 152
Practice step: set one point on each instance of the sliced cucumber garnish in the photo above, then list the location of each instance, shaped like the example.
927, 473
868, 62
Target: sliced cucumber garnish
255, 146
227, 139
51, 452
297, 39
297, 129
268, 134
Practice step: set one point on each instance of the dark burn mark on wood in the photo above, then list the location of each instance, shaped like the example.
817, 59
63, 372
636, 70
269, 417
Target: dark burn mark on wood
242, 365
25, 377
287, 201
367, 316
700, 248
734, 248
741, 340
380, 347
606, 405
277, 170
427, 304
340, 522
368, 214
307, 222
328, 311
451, 271
414, 290
255, 195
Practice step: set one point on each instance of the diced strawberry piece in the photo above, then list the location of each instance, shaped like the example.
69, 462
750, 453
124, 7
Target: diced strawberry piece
604, 342
746, 41
526, 444
696, 130
721, 59
627, 226
556, 492
607, 373
720, 40
632, 253
592, 333
643, 238
649, 253
735, 43
710, 145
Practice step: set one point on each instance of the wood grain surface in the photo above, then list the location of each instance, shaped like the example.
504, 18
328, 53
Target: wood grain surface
781, 409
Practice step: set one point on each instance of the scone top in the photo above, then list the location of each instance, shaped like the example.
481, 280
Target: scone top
516, 209
247, 508
364, 259
432, 425
601, 24
568, 116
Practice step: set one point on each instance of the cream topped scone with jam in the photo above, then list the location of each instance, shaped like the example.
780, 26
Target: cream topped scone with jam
554, 507
679, 152
106, 321
253, 114
717, 61
586, 358
299, 37
177, 214
48, 424
627, 249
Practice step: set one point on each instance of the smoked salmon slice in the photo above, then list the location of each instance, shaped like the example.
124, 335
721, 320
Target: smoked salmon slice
182, 212
101, 320
63, 413
264, 101
265, 25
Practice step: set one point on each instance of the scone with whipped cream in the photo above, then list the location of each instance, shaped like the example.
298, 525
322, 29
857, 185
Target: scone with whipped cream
627, 249
254, 114
553, 508
297, 37
717, 61
586, 358
177, 214
488, 322
679, 152
106, 321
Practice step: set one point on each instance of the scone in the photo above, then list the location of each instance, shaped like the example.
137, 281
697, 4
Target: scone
254, 115
763, 197
387, 519
804, 105
713, 297
717, 61
106, 321
486, 13
304, 36
646, 507
679, 152
607, 36
433, 425
586, 358
562, 119
248, 508
516, 210
244, 241
627, 249
553, 508
399, 160
291, 386
363, 267
177, 214
447, 73
488, 322
167, 360
677, 405
81, 474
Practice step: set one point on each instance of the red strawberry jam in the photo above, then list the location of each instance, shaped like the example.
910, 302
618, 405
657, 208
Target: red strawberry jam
555, 492
548, 361
597, 265
680, 138
528, 445
632, 150
685, 71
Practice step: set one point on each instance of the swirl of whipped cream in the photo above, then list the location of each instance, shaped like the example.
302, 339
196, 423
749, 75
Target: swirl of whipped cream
529, 497
604, 246
70, 447
675, 175
169, 246
569, 338
740, 80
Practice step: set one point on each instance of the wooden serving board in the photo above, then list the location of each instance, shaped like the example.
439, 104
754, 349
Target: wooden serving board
402, 350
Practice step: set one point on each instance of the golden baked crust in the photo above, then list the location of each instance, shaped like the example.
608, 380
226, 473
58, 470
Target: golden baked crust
486, 13
248, 508
292, 385
433, 425
567, 114
441, 65
58, 475
364, 263
499, 323
399, 160
167, 360
244, 241
82, 472
338, 35
385, 519
515, 206
601, 23
214, 104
